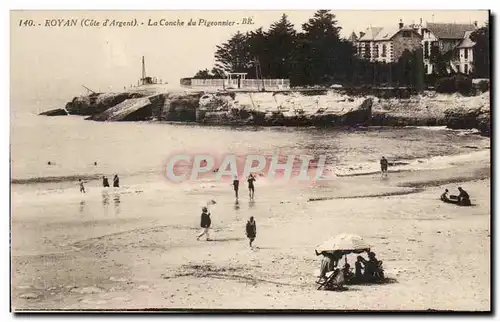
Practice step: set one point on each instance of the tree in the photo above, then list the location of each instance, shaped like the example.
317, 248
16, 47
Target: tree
233, 55
481, 51
321, 38
281, 40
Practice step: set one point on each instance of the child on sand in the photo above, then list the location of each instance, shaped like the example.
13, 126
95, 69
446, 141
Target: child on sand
205, 223
251, 230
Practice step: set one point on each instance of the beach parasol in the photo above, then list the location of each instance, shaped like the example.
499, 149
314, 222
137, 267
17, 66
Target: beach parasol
347, 243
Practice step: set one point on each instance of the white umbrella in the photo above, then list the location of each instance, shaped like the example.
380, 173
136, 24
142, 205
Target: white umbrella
344, 242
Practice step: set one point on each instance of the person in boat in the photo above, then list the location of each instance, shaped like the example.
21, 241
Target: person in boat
463, 197
444, 195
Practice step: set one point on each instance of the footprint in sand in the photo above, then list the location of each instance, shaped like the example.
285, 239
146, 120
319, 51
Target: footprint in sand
29, 296
87, 290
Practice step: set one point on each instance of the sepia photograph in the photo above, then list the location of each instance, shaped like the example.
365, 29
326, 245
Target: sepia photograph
250, 160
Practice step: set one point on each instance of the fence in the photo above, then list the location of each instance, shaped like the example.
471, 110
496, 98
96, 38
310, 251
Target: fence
242, 83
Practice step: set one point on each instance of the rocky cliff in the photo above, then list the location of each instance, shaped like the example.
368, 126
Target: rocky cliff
287, 108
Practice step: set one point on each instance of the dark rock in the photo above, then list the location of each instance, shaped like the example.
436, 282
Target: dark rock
55, 112
181, 107
472, 118
97, 103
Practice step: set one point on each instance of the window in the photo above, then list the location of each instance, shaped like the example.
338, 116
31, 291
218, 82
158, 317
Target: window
375, 51
384, 50
427, 49
466, 53
367, 50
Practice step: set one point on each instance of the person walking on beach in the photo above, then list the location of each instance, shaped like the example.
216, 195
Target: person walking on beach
251, 188
105, 182
383, 166
82, 187
116, 181
251, 230
206, 221
236, 185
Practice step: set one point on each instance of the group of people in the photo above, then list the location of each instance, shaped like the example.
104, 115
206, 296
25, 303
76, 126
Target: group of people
251, 188
206, 222
366, 270
105, 183
462, 199
116, 181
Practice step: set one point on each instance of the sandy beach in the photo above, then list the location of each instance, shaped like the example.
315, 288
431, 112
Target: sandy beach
436, 255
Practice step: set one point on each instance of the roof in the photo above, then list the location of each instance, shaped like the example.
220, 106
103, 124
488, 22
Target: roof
467, 42
388, 32
353, 37
449, 30
385, 33
370, 33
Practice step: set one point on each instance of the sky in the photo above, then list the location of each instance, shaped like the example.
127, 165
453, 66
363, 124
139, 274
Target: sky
47, 62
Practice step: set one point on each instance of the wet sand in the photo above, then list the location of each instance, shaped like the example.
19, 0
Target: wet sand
437, 255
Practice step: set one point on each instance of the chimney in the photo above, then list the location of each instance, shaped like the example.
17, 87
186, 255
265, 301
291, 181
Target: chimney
475, 23
420, 21
400, 23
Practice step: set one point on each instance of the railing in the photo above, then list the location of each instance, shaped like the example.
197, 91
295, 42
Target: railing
242, 83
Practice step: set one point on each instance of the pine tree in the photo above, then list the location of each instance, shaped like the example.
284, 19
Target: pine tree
321, 34
233, 56
281, 39
481, 50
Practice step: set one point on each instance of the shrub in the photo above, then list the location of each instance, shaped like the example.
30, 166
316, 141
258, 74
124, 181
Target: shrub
483, 86
453, 84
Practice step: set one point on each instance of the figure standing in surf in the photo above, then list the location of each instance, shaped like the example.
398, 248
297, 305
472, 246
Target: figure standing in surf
236, 185
251, 188
383, 166
105, 182
116, 181
82, 187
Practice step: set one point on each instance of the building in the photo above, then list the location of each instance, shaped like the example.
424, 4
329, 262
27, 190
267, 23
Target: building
449, 39
387, 44
466, 55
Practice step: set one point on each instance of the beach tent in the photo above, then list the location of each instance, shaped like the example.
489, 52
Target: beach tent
346, 243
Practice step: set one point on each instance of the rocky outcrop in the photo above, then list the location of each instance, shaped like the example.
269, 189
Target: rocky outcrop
97, 103
469, 118
180, 107
55, 112
287, 108
474, 113
134, 109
